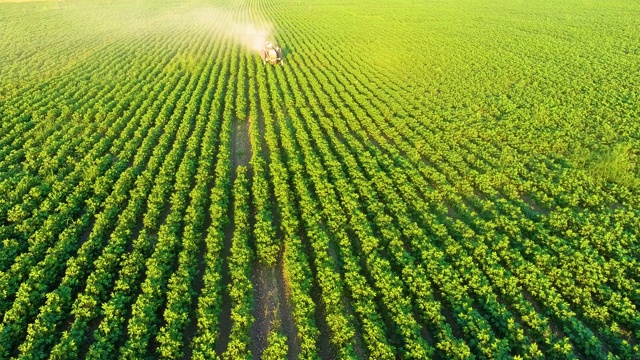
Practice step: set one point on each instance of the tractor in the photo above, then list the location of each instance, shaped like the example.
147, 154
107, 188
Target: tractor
271, 54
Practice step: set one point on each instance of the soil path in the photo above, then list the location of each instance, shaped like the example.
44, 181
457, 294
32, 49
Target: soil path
271, 309
240, 155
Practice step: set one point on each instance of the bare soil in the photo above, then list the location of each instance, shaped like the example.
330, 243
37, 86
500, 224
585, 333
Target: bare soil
265, 307
272, 309
240, 156
287, 324
535, 207
240, 145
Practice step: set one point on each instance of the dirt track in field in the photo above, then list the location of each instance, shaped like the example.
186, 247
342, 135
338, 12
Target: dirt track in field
271, 309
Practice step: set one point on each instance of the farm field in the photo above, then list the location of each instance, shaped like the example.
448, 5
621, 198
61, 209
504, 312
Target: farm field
419, 180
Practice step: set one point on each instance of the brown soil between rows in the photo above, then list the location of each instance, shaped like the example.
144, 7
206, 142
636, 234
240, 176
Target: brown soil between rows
271, 310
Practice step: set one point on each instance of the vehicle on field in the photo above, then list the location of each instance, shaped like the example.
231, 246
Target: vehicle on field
271, 54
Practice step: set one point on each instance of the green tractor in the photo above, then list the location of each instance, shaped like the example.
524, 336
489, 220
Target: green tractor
271, 54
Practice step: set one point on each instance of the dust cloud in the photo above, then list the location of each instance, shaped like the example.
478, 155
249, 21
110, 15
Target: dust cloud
250, 34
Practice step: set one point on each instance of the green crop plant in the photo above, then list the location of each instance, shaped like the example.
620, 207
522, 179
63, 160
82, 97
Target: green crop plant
420, 179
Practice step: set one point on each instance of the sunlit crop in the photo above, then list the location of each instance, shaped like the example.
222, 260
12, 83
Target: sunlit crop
417, 179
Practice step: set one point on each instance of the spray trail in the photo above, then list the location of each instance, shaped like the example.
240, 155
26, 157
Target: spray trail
250, 35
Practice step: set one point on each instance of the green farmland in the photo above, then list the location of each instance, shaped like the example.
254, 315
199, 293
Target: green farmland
418, 179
